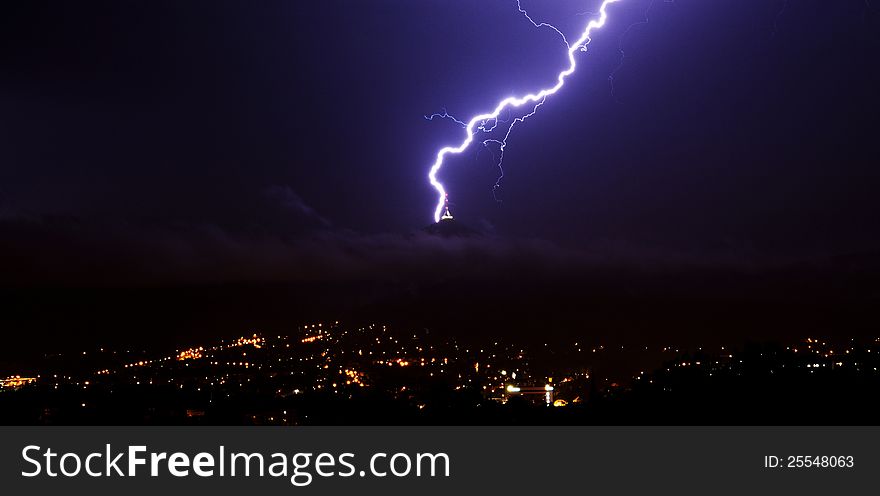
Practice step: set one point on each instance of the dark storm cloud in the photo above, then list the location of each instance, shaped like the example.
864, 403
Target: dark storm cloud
45, 250
64, 250
293, 203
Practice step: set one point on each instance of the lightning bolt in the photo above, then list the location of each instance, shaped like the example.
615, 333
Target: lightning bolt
445, 115
478, 123
621, 41
541, 24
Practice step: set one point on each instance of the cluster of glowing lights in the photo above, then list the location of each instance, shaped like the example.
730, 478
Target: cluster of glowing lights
488, 121
256, 341
398, 350
546, 391
406, 362
190, 354
194, 353
354, 377
16, 381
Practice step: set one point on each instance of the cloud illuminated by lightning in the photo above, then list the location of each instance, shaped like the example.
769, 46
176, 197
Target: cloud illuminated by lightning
480, 121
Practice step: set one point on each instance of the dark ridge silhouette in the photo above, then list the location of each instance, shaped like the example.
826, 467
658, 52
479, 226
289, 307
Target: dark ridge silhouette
450, 228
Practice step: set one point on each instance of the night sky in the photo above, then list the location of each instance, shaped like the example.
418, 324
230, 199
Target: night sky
153, 149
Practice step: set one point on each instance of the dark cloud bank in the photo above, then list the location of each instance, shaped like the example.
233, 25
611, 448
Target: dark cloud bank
68, 251
83, 283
